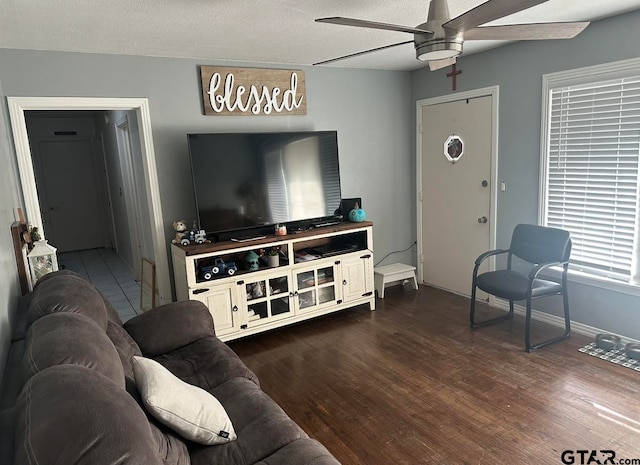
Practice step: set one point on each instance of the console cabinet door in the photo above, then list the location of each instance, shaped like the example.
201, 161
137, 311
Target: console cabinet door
357, 277
317, 287
267, 298
222, 302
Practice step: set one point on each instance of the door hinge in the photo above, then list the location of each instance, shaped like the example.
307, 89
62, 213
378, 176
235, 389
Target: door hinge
243, 326
366, 256
240, 283
339, 301
421, 258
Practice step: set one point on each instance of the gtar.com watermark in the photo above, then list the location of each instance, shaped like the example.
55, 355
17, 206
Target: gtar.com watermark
595, 457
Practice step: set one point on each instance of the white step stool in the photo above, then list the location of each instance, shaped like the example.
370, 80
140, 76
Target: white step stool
386, 274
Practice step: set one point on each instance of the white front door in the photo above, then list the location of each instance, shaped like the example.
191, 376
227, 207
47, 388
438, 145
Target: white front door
456, 191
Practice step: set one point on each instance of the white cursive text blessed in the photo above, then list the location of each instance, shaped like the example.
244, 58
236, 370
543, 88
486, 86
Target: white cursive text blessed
256, 99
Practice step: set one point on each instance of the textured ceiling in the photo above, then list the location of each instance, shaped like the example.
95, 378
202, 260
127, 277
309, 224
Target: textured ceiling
263, 31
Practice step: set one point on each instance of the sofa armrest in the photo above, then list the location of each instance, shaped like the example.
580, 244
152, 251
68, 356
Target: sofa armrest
170, 326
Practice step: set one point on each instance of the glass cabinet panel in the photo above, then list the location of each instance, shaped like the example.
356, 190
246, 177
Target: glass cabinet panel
280, 306
279, 285
306, 279
325, 275
326, 294
307, 299
255, 290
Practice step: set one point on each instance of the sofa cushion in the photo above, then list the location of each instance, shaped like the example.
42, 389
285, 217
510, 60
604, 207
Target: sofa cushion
170, 446
57, 274
62, 292
73, 415
207, 363
170, 327
62, 338
127, 349
262, 426
304, 451
187, 409
112, 314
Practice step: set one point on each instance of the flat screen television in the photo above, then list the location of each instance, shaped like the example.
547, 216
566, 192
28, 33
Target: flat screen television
245, 182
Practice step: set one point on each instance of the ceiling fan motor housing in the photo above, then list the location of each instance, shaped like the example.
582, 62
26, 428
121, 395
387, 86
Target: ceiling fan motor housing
444, 43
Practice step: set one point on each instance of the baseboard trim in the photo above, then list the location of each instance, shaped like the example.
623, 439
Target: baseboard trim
553, 320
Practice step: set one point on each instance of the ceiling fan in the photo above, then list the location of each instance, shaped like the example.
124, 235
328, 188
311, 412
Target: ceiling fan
439, 40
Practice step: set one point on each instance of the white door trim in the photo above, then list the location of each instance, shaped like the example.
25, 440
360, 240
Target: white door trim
123, 142
17, 108
487, 91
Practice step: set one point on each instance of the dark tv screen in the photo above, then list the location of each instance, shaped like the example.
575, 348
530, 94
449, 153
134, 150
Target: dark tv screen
246, 180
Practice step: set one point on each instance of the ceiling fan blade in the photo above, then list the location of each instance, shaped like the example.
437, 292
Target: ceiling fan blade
538, 31
362, 53
488, 11
438, 64
372, 25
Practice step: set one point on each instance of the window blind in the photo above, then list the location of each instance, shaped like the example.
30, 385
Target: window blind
592, 172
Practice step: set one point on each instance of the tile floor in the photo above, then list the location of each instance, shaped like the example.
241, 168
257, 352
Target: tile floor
106, 270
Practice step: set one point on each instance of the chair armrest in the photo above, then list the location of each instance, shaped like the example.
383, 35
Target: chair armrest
488, 254
171, 326
542, 266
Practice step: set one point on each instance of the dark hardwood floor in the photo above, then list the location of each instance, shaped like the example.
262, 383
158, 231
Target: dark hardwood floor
411, 383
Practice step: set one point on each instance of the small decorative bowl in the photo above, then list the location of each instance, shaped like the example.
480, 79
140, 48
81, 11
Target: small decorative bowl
607, 341
633, 350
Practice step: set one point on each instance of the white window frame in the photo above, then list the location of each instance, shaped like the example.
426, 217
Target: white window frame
578, 76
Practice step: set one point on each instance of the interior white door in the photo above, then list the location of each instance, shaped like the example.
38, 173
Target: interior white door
69, 195
456, 194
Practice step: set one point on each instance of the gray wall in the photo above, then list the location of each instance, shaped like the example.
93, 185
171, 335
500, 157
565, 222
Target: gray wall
367, 108
518, 70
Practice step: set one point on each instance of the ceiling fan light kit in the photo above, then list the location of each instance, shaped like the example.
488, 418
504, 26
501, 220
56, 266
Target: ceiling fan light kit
439, 40
438, 50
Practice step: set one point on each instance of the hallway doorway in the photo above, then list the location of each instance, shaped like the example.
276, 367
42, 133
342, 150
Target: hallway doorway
18, 106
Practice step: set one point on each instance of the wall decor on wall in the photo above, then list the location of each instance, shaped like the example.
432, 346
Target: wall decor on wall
252, 91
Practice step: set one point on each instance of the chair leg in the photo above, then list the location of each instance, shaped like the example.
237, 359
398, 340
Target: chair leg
567, 316
527, 330
472, 308
490, 321
567, 326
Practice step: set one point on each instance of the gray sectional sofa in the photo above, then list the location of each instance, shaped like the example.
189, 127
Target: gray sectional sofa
75, 393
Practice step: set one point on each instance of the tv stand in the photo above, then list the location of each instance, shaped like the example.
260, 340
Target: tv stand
321, 270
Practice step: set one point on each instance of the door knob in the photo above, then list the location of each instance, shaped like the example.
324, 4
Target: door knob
482, 219
485, 183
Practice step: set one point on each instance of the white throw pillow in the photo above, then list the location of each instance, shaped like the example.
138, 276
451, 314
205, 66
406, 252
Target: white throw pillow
187, 409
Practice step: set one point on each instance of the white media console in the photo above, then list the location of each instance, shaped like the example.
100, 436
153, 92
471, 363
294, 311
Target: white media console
320, 271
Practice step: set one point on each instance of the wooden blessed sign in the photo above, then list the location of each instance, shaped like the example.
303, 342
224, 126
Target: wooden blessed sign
252, 91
